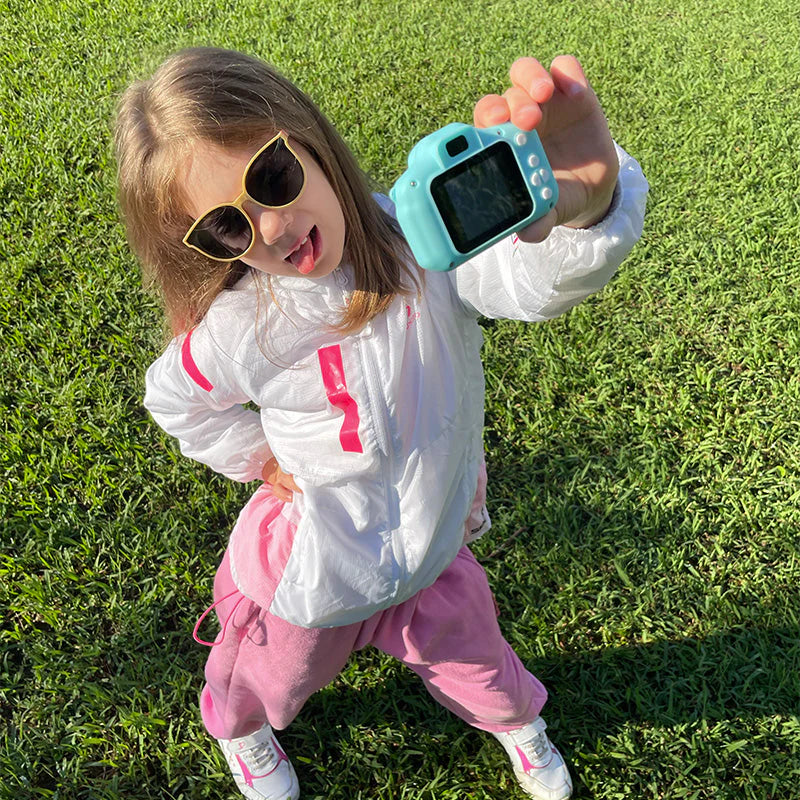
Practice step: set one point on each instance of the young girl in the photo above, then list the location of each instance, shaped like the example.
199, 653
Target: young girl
289, 287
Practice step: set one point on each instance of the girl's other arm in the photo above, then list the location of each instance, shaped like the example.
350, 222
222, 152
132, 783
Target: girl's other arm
193, 395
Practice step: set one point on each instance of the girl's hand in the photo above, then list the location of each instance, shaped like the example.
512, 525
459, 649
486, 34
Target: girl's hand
565, 111
281, 483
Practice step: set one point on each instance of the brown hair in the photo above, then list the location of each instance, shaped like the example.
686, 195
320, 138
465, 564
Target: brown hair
226, 98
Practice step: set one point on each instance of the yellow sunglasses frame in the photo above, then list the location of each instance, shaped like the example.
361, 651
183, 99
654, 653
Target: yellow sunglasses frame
238, 203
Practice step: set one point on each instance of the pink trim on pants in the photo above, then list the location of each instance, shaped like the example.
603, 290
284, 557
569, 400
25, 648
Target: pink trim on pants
265, 669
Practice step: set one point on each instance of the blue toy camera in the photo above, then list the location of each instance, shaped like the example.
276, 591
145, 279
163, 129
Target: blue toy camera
466, 188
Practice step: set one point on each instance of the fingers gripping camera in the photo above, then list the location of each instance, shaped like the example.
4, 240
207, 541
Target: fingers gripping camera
466, 188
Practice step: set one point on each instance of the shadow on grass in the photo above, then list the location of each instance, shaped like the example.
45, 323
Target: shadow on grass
733, 675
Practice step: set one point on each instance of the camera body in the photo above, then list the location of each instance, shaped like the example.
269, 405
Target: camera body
466, 188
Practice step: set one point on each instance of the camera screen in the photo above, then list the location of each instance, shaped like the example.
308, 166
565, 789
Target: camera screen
481, 197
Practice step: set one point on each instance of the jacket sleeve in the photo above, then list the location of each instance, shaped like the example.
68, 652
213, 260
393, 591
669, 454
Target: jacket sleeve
534, 282
193, 393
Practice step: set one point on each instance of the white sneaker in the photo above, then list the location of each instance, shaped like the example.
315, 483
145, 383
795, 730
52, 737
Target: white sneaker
539, 767
262, 770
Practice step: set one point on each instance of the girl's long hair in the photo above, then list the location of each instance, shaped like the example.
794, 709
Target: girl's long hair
228, 99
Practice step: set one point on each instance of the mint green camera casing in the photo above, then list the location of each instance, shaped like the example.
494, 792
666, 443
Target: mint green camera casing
437, 238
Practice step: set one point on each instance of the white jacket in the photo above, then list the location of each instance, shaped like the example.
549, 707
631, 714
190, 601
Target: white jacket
381, 429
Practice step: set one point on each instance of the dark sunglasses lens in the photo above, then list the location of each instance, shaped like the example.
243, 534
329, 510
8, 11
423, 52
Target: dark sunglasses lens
222, 233
276, 177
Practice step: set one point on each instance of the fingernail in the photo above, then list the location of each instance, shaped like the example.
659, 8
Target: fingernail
575, 89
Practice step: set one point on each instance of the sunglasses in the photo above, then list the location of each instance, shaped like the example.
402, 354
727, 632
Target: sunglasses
274, 178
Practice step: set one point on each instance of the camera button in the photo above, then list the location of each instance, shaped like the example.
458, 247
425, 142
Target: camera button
521, 139
533, 160
546, 193
545, 175
536, 179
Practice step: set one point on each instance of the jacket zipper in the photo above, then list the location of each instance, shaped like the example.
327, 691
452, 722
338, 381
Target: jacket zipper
379, 408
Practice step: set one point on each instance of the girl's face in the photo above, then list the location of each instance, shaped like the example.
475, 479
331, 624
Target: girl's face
305, 238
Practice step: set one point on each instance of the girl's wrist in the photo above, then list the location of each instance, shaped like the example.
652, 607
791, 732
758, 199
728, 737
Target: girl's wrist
594, 216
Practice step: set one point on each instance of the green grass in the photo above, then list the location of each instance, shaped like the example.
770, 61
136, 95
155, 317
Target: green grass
644, 451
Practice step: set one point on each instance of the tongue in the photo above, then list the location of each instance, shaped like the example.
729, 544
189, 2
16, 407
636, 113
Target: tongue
303, 257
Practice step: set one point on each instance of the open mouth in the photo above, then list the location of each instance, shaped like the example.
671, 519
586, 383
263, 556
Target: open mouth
304, 257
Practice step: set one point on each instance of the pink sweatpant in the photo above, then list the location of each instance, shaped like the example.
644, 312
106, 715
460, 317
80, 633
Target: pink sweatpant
265, 669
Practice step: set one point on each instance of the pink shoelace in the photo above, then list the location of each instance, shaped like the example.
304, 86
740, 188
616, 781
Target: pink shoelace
221, 635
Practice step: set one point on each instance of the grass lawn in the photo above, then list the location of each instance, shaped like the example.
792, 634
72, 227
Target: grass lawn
643, 451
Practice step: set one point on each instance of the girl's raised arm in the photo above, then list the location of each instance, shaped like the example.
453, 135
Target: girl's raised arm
572, 252
563, 108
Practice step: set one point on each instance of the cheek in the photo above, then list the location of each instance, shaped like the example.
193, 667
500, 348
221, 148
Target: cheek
330, 213
341, 229
337, 213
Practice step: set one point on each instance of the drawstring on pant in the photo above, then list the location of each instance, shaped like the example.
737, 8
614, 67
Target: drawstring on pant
224, 624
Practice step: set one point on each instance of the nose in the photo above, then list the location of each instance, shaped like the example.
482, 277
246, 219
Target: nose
270, 223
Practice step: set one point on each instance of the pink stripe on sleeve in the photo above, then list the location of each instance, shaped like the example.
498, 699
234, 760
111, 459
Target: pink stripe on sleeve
191, 367
330, 362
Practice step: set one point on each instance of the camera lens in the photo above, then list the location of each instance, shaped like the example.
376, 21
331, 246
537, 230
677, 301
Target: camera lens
456, 146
